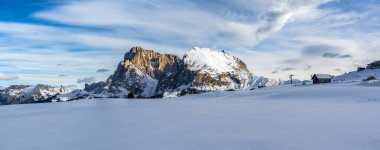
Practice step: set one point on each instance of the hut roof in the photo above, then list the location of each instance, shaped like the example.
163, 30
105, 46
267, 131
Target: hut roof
322, 76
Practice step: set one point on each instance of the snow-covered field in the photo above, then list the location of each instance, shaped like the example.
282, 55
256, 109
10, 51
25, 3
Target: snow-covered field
341, 116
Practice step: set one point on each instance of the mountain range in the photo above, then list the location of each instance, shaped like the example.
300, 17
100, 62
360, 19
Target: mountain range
150, 74
146, 73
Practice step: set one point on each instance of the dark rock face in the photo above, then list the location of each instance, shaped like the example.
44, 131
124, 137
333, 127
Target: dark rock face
96, 88
146, 73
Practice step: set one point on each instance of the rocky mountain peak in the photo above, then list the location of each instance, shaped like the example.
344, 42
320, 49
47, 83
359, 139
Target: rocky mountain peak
146, 73
150, 62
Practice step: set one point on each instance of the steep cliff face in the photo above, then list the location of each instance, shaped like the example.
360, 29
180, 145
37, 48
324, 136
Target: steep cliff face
146, 73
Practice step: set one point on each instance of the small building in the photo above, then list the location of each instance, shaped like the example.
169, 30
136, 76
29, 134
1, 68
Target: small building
374, 65
361, 69
321, 78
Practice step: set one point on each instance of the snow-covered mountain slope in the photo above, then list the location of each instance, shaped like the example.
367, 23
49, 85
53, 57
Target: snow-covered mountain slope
358, 76
216, 70
338, 116
74, 95
210, 61
20, 94
262, 81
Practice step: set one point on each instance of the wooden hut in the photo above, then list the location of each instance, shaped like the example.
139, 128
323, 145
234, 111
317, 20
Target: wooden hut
321, 78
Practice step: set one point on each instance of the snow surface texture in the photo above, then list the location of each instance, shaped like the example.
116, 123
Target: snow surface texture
340, 116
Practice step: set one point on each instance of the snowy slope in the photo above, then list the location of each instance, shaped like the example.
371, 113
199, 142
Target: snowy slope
216, 62
341, 116
147, 83
262, 81
358, 76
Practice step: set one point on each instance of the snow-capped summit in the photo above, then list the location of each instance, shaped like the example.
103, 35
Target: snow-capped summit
216, 70
210, 61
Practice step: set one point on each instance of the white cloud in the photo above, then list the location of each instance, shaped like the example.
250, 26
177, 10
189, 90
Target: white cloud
42, 33
271, 20
8, 77
150, 17
265, 34
102, 70
174, 19
87, 80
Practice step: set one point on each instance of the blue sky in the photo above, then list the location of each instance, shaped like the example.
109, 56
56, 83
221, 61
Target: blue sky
71, 42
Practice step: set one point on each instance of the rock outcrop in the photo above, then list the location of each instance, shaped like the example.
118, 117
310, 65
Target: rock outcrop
146, 73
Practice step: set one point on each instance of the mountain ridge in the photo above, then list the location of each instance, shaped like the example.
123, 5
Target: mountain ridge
146, 73
22, 94
149, 74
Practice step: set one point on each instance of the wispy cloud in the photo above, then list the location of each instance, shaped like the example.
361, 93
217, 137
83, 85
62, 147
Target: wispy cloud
288, 69
87, 80
62, 76
8, 77
102, 70
273, 20
335, 55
